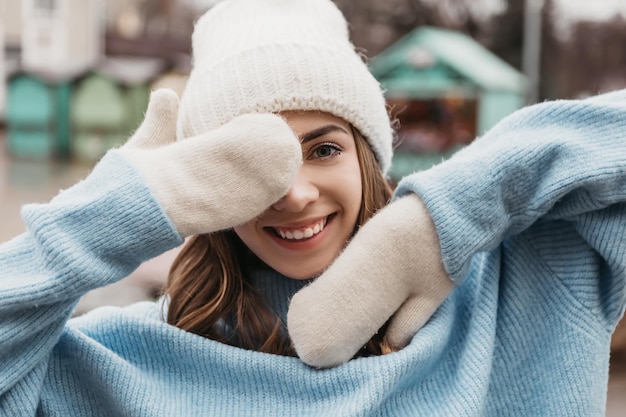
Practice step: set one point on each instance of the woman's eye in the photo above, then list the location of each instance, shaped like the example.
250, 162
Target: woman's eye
326, 150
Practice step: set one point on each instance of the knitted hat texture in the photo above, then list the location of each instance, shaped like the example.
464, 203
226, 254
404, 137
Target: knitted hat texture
268, 56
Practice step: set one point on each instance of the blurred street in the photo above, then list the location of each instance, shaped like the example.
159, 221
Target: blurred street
29, 181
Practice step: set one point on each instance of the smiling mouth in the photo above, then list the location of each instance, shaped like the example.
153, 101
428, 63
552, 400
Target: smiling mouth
301, 233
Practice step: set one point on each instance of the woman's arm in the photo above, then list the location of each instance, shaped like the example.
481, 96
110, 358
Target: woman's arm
90, 235
139, 201
559, 160
555, 160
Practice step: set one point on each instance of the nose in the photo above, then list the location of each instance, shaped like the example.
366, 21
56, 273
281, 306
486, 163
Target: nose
302, 192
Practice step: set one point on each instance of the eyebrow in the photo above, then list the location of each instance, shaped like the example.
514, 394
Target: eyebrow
321, 131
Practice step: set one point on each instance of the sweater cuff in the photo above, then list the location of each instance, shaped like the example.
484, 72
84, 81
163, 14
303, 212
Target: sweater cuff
457, 237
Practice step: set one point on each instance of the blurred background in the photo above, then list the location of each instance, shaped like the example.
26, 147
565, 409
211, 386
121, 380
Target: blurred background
78, 72
76, 77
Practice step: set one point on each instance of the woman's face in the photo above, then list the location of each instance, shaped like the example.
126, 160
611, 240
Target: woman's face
301, 234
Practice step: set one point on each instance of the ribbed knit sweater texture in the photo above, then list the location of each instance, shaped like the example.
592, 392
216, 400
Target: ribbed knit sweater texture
532, 225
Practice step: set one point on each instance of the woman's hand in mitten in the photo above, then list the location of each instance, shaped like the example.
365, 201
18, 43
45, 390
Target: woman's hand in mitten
392, 267
218, 179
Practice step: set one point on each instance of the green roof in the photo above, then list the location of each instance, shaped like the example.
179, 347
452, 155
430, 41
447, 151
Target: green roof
443, 59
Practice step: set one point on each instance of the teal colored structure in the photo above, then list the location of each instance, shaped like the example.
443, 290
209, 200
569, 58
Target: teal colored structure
62, 94
98, 117
137, 98
37, 118
432, 63
103, 114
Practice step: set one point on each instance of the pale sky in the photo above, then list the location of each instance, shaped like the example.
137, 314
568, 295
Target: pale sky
570, 9
591, 9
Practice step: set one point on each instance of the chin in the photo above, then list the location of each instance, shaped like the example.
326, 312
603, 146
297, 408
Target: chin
300, 274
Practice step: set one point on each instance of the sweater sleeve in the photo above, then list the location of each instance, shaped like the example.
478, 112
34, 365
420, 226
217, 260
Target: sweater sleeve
560, 160
91, 235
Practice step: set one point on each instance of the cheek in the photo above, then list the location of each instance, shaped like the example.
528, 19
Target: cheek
349, 190
354, 183
353, 199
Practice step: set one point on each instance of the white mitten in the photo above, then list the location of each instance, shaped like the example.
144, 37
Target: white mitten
218, 179
392, 265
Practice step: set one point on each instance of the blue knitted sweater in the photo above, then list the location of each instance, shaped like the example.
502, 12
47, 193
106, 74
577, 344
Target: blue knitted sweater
532, 224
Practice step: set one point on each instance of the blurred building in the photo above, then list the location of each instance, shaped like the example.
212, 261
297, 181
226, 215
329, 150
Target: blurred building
444, 89
150, 18
61, 38
53, 49
10, 39
2, 73
11, 18
150, 28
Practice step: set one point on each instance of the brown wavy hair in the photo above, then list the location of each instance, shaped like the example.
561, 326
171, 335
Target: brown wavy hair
211, 293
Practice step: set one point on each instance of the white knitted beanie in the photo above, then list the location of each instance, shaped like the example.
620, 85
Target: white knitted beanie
268, 56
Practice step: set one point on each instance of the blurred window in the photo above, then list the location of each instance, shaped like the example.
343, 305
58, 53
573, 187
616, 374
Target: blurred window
46, 5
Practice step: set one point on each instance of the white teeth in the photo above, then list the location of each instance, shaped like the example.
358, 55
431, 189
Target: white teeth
302, 234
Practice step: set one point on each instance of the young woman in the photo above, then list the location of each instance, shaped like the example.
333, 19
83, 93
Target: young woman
517, 245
